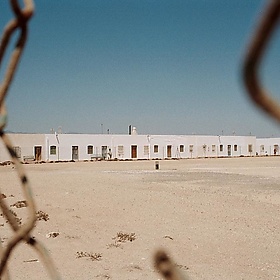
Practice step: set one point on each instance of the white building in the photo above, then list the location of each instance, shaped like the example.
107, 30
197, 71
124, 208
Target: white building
66, 147
25, 146
267, 146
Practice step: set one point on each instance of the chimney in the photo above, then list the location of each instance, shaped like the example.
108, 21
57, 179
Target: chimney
134, 131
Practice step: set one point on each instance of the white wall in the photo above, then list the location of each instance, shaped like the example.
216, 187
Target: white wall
202, 146
64, 143
26, 144
267, 146
242, 143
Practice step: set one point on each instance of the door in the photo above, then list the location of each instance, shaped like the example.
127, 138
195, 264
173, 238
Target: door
229, 150
104, 152
38, 153
169, 147
276, 150
75, 153
133, 151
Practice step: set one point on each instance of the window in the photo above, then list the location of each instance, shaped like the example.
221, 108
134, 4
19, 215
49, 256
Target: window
120, 150
262, 148
182, 148
250, 148
235, 148
155, 148
221, 148
17, 151
204, 147
90, 149
53, 150
213, 148
191, 148
146, 150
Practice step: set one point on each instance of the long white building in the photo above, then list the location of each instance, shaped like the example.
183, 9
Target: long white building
66, 147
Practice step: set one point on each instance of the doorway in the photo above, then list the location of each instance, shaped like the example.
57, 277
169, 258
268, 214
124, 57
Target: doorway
75, 153
104, 152
38, 153
169, 147
276, 150
229, 150
133, 151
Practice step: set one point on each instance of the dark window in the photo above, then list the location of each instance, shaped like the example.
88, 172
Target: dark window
155, 148
90, 149
250, 148
53, 150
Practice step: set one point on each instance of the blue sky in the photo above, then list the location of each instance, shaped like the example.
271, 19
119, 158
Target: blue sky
166, 67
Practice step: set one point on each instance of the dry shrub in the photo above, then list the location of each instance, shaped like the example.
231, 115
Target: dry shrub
19, 204
124, 237
91, 256
42, 216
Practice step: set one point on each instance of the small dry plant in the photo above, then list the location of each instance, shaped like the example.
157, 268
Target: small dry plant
19, 204
42, 216
52, 234
91, 256
103, 276
122, 238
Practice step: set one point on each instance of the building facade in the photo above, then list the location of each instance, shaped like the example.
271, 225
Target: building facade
79, 147
267, 146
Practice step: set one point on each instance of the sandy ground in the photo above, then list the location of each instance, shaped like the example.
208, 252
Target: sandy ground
218, 218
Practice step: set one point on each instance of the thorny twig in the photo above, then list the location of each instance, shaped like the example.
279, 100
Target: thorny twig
22, 16
167, 268
253, 58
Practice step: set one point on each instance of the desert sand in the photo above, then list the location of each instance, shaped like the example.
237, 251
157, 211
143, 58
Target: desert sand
217, 218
